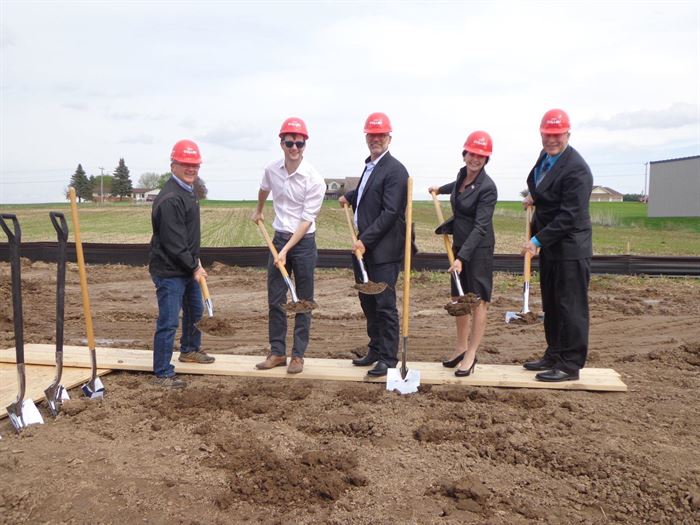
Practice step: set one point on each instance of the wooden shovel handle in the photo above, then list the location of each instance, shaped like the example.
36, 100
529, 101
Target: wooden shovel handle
205, 288
527, 264
407, 259
271, 246
445, 237
348, 216
81, 269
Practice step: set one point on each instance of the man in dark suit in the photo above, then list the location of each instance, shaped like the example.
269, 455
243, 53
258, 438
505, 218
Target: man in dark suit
560, 188
379, 203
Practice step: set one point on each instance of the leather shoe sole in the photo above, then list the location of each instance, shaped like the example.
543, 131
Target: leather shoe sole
379, 370
365, 361
539, 366
555, 376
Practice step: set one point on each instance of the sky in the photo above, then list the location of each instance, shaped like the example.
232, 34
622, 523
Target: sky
91, 82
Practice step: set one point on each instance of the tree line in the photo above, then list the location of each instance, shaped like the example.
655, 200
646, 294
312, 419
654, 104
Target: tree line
119, 184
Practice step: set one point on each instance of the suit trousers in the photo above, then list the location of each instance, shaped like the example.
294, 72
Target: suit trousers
380, 311
564, 286
301, 262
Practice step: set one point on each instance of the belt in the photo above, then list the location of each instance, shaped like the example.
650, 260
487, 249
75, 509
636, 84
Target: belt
286, 235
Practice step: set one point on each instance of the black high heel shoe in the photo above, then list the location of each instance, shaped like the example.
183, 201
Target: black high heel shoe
465, 373
454, 362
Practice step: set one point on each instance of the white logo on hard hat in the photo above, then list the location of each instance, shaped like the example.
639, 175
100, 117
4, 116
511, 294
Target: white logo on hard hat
377, 122
554, 121
480, 141
189, 151
294, 123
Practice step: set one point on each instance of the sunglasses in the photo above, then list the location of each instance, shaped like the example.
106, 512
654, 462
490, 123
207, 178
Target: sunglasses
290, 143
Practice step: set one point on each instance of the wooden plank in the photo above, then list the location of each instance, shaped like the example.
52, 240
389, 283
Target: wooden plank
38, 379
511, 376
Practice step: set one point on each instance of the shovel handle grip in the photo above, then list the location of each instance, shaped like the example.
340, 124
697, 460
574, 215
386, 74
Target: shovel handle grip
59, 224
272, 248
445, 237
81, 269
407, 258
348, 216
205, 288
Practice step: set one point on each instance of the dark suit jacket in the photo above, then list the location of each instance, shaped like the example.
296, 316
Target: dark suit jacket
381, 212
562, 222
472, 222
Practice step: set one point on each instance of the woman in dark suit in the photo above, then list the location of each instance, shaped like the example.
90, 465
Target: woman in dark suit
473, 198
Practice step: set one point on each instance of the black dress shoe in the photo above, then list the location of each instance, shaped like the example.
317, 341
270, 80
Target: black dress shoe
554, 376
468, 372
542, 364
453, 362
379, 369
365, 361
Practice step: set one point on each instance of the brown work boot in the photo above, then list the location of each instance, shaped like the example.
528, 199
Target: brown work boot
272, 361
169, 382
195, 357
296, 365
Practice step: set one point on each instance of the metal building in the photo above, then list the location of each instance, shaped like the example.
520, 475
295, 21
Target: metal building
674, 187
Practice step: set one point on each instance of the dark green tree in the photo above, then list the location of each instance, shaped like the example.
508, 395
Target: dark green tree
81, 183
101, 185
121, 186
200, 188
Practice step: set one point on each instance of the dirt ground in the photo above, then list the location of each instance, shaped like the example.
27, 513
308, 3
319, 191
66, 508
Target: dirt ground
237, 450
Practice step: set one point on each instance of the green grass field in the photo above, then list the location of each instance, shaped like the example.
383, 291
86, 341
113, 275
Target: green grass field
618, 228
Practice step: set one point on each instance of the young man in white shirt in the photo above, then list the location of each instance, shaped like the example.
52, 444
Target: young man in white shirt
297, 195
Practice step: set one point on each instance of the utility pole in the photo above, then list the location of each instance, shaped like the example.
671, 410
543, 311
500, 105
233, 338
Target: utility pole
102, 195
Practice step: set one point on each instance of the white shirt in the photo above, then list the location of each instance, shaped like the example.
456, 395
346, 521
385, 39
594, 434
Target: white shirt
369, 168
296, 197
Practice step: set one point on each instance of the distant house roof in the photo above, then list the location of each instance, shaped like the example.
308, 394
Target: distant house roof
606, 190
674, 160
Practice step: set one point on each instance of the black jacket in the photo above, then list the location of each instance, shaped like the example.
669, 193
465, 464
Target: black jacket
382, 209
562, 222
472, 222
176, 237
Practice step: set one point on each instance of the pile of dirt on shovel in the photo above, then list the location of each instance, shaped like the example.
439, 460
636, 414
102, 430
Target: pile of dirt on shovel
301, 306
216, 326
526, 318
370, 287
463, 305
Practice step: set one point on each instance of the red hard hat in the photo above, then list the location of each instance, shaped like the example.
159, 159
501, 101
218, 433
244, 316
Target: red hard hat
294, 126
554, 122
187, 152
378, 123
479, 143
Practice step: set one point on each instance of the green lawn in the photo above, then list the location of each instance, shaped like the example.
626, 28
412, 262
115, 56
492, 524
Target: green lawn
618, 228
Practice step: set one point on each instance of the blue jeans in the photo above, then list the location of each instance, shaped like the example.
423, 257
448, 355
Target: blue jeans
301, 262
175, 294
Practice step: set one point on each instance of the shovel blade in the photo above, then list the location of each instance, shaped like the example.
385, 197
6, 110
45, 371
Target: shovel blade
93, 389
511, 316
210, 307
55, 396
21, 416
407, 385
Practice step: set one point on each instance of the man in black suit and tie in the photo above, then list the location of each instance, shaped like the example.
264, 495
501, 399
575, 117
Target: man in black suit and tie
379, 204
560, 187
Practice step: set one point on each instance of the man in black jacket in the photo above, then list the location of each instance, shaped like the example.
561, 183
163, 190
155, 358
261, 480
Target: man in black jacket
560, 188
174, 266
379, 203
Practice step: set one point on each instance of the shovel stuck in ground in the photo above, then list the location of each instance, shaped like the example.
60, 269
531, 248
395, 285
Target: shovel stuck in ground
93, 389
22, 412
464, 303
402, 379
366, 286
208, 305
297, 306
525, 316
56, 393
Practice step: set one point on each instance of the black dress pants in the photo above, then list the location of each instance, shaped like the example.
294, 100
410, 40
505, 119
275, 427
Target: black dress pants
564, 286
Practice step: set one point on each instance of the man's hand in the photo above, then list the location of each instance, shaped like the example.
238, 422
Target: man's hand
527, 201
199, 273
359, 247
281, 258
434, 189
343, 201
529, 247
456, 266
257, 216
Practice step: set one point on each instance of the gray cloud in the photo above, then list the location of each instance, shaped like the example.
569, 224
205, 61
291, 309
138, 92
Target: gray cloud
677, 115
78, 106
138, 139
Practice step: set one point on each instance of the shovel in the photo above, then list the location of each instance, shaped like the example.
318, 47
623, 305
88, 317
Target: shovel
22, 412
403, 380
205, 296
297, 306
463, 306
366, 286
56, 393
93, 389
525, 316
